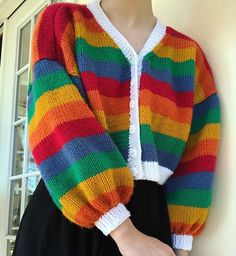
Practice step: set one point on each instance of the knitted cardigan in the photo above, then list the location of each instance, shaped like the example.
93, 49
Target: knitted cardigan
101, 115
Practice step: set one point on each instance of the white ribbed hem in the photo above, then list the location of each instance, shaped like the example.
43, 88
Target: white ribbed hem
147, 170
112, 219
183, 242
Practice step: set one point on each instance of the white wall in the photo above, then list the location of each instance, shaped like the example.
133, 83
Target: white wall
213, 24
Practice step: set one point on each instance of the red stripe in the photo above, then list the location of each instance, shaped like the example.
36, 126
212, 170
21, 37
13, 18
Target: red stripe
182, 99
203, 163
172, 32
106, 86
62, 134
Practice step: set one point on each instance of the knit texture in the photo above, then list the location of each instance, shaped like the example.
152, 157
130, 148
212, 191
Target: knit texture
79, 123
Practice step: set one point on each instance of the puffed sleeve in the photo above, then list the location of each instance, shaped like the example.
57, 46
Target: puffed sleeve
83, 170
189, 189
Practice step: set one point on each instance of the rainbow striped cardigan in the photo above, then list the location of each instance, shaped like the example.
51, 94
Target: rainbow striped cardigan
101, 115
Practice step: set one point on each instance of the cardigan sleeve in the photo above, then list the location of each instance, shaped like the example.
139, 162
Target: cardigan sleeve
83, 169
189, 189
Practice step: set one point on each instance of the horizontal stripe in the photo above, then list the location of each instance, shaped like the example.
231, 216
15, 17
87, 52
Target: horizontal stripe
185, 68
199, 180
205, 147
103, 68
177, 54
147, 114
61, 96
210, 131
187, 215
120, 138
109, 104
185, 99
193, 229
178, 83
164, 107
209, 120
202, 163
82, 191
83, 213
161, 141
106, 86
165, 125
165, 159
190, 197
39, 134
83, 170
106, 53
211, 102
71, 153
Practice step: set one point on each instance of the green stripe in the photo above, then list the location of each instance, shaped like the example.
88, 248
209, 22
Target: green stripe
161, 141
212, 116
185, 68
121, 138
83, 169
190, 197
46, 83
106, 53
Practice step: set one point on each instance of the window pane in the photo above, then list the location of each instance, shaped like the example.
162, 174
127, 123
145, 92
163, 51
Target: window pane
31, 166
15, 204
18, 149
22, 81
10, 247
24, 45
31, 184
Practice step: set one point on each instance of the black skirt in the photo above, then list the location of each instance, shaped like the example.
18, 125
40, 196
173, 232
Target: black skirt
44, 231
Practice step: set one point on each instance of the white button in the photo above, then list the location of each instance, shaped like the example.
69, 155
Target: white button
132, 128
134, 170
132, 103
133, 152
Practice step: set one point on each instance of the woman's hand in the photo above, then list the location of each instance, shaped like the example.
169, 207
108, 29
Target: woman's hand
132, 242
179, 252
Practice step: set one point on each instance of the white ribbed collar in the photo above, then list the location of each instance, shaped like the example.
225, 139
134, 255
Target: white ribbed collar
153, 39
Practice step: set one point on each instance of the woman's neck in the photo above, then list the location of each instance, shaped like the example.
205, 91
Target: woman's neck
129, 13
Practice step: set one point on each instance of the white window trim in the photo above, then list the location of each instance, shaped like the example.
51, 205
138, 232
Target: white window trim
6, 177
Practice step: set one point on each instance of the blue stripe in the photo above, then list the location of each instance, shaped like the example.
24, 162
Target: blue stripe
199, 180
203, 107
178, 83
73, 151
150, 153
106, 69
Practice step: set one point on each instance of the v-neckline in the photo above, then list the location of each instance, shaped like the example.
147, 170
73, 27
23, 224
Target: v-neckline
155, 37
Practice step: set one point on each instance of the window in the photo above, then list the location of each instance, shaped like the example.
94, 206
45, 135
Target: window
24, 175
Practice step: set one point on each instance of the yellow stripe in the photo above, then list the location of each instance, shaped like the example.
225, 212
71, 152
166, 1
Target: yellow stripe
178, 55
88, 190
187, 214
164, 124
51, 99
95, 39
209, 131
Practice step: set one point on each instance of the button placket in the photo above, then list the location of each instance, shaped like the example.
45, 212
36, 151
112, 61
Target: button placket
134, 159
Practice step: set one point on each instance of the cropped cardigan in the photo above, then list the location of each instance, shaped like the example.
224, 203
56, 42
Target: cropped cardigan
100, 115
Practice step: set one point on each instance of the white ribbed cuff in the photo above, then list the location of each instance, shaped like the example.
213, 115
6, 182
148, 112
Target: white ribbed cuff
183, 242
113, 218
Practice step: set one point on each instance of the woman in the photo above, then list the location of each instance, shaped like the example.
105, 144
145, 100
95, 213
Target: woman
123, 123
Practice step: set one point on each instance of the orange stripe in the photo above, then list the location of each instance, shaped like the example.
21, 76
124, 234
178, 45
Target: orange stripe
62, 114
100, 204
81, 194
183, 228
202, 148
179, 114
163, 124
